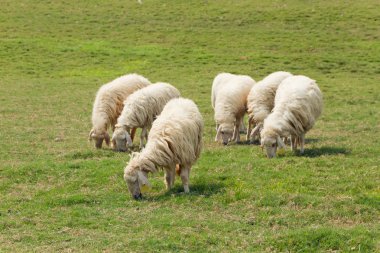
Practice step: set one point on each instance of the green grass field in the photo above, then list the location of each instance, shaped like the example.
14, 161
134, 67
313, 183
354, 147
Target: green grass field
59, 194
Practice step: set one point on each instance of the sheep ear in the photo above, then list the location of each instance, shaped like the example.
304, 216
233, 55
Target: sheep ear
107, 138
217, 137
89, 135
129, 140
280, 143
143, 182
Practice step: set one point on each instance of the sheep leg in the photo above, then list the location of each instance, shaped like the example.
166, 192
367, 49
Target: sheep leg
249, 131
185, 172
302, 143
169, 177
293, 143
133, 132
237, 131
142, 136
242, 128
146, 135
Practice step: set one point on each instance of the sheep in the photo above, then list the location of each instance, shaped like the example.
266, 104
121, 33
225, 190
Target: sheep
260, 102
109, 104
140, 109
298, 104
229, 100
174, 142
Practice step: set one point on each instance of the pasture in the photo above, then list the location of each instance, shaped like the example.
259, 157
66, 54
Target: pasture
59, 194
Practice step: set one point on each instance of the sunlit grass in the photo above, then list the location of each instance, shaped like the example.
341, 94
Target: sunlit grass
57, 193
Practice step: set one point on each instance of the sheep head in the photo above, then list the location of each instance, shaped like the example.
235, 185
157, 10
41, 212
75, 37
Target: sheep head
271, 141
224, 133
121, 139
98, 137
136, 177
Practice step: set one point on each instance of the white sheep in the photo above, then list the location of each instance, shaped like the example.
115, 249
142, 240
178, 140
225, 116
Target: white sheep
140, 109
175, 140
260, 102
109, 104
298, 104
229, 100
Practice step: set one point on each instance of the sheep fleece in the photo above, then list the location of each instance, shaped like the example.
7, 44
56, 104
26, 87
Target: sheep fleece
141, 107
110, 97
175, 137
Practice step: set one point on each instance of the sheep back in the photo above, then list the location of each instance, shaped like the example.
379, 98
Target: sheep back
260, 100
176, 135
299, 102
229, 95
110, 97
144, 105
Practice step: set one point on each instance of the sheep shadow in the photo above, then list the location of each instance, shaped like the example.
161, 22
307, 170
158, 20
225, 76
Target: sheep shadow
245, 143
311, 140
257, 142
324, 151
202, 189
240, 143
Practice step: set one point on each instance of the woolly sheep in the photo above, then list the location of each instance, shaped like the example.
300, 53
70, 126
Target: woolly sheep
175, 141
298, 104
109, 104
260, 102
229, 100
140, 109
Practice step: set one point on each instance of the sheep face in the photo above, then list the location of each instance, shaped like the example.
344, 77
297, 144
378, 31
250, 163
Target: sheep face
98, 137
133, 185
271, 144
224, 133
137, 182
121, 139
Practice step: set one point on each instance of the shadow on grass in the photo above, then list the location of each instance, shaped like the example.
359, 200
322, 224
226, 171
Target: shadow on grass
323, 151
244, 143
197, 189
312, 140
257, 142
103, 152
89, 154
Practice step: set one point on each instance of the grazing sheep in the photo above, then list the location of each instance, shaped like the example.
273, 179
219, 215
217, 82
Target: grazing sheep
229, 100
260, 102
109, 104
140, 109
298, 104
175, 140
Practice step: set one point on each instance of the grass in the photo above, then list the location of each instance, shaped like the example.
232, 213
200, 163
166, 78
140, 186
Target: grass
57, 193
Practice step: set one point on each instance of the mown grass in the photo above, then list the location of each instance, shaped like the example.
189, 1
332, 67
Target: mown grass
59, 194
